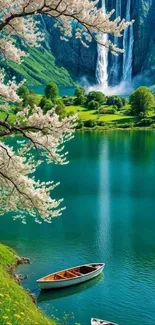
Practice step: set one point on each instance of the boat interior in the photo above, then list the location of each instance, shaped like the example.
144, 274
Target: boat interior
72, 273
106, 323
101, 322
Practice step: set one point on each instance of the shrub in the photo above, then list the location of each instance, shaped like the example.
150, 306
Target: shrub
97, 96
145, 122
60, 107
80, 94
43, 102
124, 126
93, 105
79, 91
124, 101
141, 100
118, 102
80, 123
23, 93
48, 105
115, 100
51, 91
68, 100
101, 123
89, 124
32, 100
104, 110
71, 113
81, 100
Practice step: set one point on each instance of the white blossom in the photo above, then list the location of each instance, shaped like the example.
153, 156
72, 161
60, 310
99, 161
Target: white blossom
44, 134
8, 91
16, 18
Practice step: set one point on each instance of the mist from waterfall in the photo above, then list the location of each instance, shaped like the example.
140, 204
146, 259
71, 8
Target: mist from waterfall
114, 73
102, 62
128, 42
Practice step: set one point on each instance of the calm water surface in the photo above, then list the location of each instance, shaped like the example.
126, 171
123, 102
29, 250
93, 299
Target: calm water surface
63, 90
109, 192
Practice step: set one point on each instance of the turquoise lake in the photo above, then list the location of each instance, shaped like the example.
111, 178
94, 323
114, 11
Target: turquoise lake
63, 90
109, 194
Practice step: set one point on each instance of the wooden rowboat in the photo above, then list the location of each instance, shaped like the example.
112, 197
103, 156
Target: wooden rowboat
96, 321
71, 276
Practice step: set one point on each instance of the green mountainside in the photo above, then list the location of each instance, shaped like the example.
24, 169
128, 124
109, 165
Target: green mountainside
68, 62
39, 68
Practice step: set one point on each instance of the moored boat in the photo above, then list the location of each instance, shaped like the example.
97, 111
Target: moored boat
96, 321
71, 276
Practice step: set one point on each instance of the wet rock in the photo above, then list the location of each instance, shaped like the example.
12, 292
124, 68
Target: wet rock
32, 296
19, 277
23, 260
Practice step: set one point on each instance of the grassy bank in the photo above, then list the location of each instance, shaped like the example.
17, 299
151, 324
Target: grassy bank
16, 307
91, 120
86, 114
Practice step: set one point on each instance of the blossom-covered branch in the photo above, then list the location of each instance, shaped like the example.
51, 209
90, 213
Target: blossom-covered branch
8, 90
16, 19
44, 134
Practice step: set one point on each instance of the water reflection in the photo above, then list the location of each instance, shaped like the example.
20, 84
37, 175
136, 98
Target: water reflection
109, 191
46, 295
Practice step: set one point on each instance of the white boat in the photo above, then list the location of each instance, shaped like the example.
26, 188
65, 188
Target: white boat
96, 321
72, 276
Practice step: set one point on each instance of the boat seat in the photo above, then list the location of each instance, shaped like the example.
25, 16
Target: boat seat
59, 277
74, 273
77, 272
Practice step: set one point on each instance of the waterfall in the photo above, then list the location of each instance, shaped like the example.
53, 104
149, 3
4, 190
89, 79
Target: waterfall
128, 41
102, 62
115, 66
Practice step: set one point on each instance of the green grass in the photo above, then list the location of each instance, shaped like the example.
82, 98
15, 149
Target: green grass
40, 68
16, 307
11, 119
86, 114
7, 256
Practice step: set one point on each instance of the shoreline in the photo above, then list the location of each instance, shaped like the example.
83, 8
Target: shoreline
101, 129
17, 304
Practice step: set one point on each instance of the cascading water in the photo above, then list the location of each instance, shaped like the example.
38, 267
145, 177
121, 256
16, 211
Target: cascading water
128, 42
102, 62
111, 69
115, 66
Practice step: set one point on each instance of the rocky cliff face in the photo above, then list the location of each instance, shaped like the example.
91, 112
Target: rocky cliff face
81, 62
143, 63
144, 31
71, 61
77, 59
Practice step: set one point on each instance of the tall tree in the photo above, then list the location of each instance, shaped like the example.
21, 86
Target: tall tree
44, 134
141, 100
51, 91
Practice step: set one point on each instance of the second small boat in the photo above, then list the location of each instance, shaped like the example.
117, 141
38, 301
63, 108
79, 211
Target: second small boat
96, 321
71, 276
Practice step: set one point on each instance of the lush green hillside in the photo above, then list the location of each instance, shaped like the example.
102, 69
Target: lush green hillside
39, 68
65, 62
16, 307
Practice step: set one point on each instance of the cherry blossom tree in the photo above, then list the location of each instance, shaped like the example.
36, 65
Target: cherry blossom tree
44, 135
